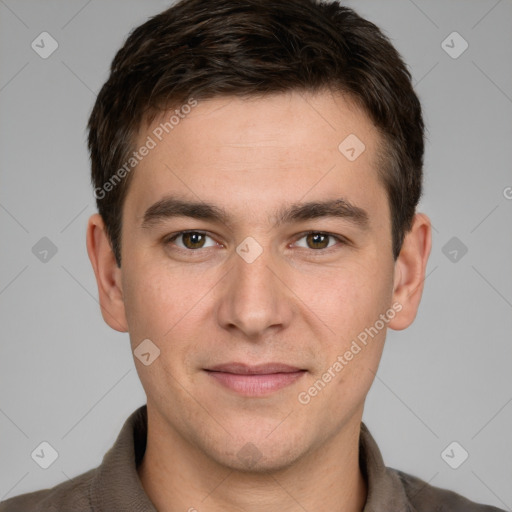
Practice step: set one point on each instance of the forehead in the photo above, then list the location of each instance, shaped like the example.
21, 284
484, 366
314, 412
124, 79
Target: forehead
251, 154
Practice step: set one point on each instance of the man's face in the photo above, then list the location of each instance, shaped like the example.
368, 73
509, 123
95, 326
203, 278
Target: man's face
254, 288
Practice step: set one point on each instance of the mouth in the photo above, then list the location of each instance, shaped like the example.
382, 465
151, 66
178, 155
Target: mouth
255, 380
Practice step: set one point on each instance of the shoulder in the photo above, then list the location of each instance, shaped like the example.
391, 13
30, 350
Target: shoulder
72, 496
428, 498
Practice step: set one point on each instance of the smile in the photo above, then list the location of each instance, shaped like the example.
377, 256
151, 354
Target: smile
259, 380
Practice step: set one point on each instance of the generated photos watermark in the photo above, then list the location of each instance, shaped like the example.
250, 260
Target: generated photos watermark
305, 397
151, 143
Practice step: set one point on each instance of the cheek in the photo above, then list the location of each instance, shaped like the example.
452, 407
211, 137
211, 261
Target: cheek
165, 304
150, 301
351, 298
357, 296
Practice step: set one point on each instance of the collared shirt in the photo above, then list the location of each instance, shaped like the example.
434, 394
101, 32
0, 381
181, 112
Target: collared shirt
114, 486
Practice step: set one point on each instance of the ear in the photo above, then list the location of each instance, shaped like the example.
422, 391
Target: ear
108, 274
410, 269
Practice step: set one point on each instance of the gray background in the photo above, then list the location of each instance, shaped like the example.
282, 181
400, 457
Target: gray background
68, 379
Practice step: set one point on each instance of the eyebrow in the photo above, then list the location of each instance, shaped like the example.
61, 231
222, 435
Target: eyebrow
171, 206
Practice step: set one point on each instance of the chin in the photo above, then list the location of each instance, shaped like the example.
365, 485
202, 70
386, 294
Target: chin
251, 460
259, 453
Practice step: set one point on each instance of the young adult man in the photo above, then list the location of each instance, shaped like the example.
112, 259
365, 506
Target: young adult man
257, 167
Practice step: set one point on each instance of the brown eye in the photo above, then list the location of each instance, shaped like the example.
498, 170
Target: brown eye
190, 240
193, 240
317, 240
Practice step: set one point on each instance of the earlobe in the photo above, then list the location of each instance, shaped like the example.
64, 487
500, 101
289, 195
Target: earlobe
410, 268
108, 274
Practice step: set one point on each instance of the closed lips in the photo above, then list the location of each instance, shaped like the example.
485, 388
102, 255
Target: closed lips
260, 369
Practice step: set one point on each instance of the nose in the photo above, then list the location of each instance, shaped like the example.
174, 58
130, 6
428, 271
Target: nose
255, 299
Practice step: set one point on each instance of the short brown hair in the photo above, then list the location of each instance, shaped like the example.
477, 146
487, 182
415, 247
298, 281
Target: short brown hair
208, 48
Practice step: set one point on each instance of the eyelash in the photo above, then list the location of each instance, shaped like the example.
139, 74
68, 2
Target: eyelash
339, 239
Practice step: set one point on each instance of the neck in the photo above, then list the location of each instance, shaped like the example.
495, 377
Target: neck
178, 477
